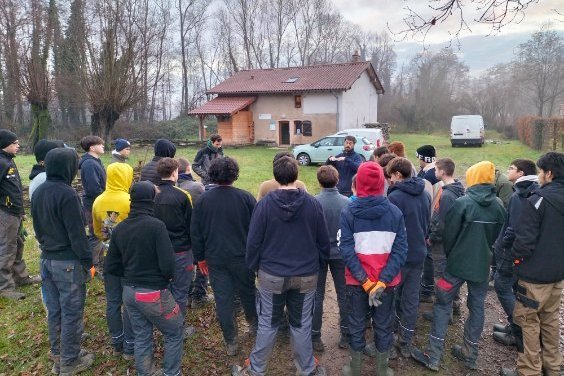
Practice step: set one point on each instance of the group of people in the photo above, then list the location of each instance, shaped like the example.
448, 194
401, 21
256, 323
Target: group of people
392, 236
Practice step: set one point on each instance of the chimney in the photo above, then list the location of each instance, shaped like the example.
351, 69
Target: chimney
355, 57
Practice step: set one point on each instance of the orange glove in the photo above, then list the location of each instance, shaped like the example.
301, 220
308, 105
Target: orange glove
92, 271
203, 266
374, 290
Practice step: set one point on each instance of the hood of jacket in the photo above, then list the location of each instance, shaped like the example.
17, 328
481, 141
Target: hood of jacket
119, 177
86, 157
142, 197
553, 192
61, 165
483, 194
413, 186
525, 188
480, 173
370, 207
36, 170
457, 188
288, 203
164, 148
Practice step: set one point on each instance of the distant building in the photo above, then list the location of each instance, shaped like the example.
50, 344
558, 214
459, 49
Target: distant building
295, 105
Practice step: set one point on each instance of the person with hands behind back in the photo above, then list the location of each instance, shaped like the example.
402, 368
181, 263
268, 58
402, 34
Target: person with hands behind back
373, 244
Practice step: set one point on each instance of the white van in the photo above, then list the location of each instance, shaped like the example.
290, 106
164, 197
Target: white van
467, 130
374, 135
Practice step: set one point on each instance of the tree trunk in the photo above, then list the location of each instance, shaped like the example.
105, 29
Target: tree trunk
41, 122
95, 127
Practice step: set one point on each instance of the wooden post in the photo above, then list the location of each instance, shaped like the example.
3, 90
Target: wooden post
201, 129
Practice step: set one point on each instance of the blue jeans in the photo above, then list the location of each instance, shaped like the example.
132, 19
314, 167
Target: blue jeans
504, 279
118, 322
382, 318
180, 286
447, 288
428, 278
225, 281
297, 294
337, 267
64, 289
407, 301
150, 308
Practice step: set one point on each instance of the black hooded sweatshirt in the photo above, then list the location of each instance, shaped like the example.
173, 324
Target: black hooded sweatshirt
11, 195
288, 234
539, 236
163, 149
446, 198
140, 250
57, 213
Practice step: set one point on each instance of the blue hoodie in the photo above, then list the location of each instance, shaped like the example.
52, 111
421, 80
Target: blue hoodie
92, 177
414, 202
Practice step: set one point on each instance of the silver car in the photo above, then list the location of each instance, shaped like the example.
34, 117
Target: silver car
320, 150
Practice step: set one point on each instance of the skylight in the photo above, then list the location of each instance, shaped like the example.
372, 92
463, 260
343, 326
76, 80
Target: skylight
291, 80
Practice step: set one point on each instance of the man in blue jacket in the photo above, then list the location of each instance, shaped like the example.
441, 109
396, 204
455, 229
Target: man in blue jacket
287, 241
409, 195
346, 164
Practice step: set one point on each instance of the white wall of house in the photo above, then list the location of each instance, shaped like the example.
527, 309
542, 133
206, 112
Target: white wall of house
359, 104
323, 103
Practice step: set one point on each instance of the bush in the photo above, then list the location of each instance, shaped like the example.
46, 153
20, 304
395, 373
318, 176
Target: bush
541, 133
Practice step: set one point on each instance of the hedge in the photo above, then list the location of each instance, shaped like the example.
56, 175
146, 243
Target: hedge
541, 133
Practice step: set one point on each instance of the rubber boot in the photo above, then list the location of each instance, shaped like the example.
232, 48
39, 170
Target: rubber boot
382, 368
355, 365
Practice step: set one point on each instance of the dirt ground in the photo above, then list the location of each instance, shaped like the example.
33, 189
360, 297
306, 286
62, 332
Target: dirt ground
492, 356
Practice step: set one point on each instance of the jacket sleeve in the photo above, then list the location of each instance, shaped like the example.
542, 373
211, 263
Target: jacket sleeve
509, 233
188, 214
527, 230
196, 235
73, 221
323, 241
353, 162
96, 221
454, 219
4, 167
165, 252
437, 225
91, 179
255, 238
345, 240
112, 263
504, 189
398, 254
197, 165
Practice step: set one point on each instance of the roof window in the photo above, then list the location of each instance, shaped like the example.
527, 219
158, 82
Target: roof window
291, 80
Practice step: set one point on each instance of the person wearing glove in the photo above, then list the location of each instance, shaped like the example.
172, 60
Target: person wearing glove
373, 244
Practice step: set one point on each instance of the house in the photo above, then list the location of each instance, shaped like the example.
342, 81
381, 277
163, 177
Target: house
296, 105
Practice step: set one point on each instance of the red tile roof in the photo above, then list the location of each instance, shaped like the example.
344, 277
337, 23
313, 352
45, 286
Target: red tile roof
309, 78
223, 106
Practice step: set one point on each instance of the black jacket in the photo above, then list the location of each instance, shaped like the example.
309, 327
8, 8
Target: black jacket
522, 191
288, 234
163, 149
195, 188
11, 196
140, 250
410, 197
539, 236
448, 195
36, 170
92, 177
220, 223
57, 213
202, 162
174, 207
347, 169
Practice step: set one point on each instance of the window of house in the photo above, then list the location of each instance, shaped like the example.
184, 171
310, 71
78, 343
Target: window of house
298, 127
297, 101
306, 128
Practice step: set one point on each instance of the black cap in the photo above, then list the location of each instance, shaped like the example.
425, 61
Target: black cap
42, 148
7, 138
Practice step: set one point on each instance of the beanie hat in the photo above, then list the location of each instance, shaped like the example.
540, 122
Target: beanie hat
121, 144
480, 173
143, 191
426, 153
164, 148
42, 147
370, 180
7, 138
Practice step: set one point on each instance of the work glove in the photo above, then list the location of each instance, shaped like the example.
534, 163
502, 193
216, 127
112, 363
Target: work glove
203, 266
374, 291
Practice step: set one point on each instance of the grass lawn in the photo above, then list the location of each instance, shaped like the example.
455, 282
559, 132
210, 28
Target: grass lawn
23, 329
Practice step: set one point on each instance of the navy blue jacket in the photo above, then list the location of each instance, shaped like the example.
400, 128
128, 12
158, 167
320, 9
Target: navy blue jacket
410, 197
287, 235
428, 175
504, 242
92, 177
347, 169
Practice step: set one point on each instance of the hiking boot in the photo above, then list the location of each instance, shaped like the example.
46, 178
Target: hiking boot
507, 339
404, 349
29, 281
82, 363
232, 348
318, 371
426, 298
424, 359
343, 341
11, 294
128, 357
189, 331
382, 360
243, 371
458, 353
369, 350
428, 316
501, 328
56, 369
318, 345
508, 372
355, 364
199, 302
393, 353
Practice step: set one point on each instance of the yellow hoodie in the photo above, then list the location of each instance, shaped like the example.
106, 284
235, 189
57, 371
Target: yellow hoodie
480, 173
112, 206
